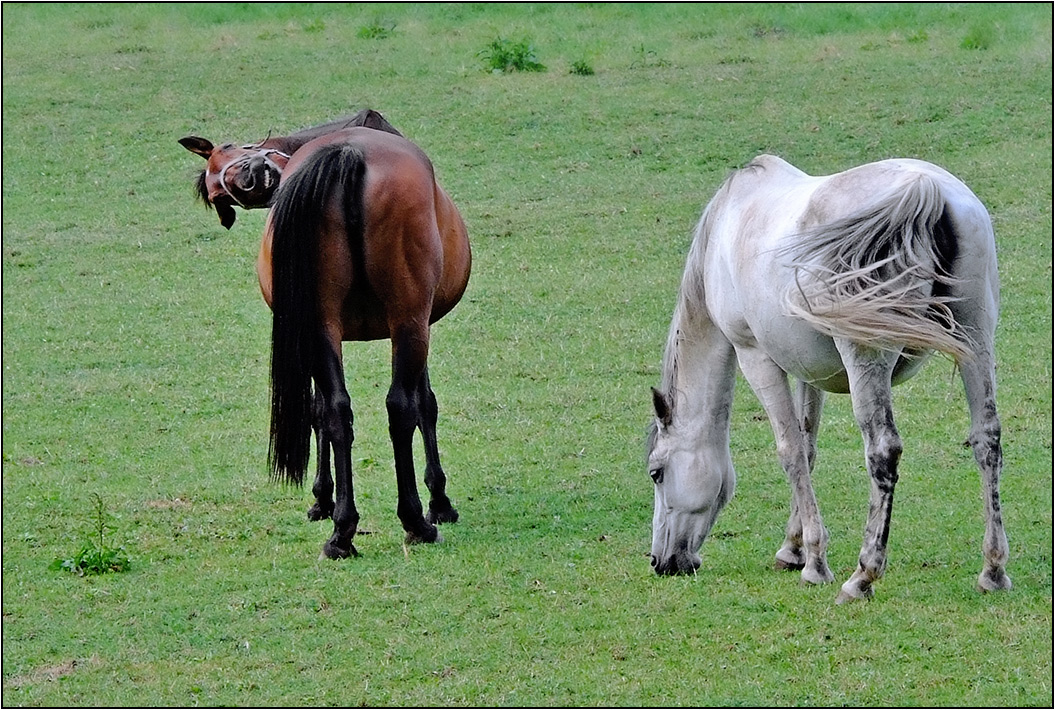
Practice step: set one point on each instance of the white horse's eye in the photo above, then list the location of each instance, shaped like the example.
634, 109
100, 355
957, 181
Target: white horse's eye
656, 474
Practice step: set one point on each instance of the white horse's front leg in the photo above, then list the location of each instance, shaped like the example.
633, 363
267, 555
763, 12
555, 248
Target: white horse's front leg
809, 401
869, 372
806, 543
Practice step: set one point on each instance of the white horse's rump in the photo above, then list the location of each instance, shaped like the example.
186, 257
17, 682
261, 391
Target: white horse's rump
845, 282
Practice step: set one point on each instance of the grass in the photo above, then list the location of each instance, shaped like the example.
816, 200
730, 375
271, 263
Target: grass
135, 362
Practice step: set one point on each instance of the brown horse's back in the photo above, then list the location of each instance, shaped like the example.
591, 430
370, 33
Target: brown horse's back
414, 255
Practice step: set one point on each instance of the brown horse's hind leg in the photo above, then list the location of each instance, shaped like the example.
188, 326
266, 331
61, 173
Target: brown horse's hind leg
336, 423
410, 343
440, 508
322, 489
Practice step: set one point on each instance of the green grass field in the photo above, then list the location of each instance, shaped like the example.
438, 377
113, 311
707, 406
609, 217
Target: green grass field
136, 345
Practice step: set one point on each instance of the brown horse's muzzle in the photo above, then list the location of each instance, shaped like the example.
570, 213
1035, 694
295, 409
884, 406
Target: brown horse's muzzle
256, 182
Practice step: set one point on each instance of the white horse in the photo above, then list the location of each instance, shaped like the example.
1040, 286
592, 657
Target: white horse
845, 282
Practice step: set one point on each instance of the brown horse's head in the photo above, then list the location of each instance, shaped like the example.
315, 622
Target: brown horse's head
246, 176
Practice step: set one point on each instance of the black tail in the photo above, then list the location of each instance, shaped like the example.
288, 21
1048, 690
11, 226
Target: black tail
332, 176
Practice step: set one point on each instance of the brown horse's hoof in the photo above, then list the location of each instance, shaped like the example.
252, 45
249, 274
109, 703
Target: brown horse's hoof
332, 551
443, 516
316, 512
428, 534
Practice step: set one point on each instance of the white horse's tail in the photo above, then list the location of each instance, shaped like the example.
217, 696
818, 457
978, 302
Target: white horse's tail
881, 276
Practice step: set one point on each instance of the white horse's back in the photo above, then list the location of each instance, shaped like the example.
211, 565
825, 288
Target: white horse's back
767, 284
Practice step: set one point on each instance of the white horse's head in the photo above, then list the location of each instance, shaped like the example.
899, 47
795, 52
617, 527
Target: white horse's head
693, 482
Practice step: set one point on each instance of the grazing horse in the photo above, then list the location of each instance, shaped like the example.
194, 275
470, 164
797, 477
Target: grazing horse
845, 282
361, 244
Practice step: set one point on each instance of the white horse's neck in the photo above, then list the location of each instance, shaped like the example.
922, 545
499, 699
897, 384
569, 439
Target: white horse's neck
699, 372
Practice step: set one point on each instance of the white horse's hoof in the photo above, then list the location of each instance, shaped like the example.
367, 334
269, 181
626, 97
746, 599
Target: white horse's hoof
852, 591
993, 581
789, 560
817, 574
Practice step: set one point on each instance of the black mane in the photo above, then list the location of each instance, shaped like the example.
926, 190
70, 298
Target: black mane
201, 191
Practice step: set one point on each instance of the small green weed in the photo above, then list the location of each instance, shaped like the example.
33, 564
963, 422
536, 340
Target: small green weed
978, 37
314, 26
503, 56
760, 30
376, 30
95, 556
647, 58
581, 68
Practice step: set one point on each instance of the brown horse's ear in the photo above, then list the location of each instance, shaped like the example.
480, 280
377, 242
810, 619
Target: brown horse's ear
227, 215
194, 144
662, 404
374, 120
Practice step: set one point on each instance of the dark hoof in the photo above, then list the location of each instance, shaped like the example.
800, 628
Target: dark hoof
426, 535
333, 551
443, 516
317, 512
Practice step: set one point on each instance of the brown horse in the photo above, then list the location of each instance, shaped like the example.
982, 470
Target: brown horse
361, 244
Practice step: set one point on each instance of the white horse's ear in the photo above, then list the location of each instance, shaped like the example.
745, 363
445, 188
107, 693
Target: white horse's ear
662, 404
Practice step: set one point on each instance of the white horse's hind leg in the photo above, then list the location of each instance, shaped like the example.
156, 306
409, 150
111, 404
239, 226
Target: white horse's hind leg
979, 381
808, 404
805, 528
975, 307
869, 372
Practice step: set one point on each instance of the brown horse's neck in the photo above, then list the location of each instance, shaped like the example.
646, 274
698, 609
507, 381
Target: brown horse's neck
287, 144
291, 143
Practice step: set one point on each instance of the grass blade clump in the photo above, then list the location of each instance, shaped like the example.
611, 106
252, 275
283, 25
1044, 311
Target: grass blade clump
95, 555
503, 56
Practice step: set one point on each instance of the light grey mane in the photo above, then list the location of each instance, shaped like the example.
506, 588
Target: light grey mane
692, 293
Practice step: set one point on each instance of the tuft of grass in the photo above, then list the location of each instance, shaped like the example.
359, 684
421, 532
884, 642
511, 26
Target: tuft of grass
644, 57
502, 56
978, 37
761, 30
376, 30
581, 67
95, 555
